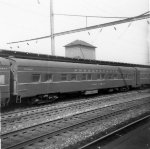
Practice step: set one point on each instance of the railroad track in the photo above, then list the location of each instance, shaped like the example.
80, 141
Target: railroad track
111, 133
32, 136
30, 110
31, 119
33, 110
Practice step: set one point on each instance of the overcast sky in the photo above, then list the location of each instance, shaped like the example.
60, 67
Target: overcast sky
25, 19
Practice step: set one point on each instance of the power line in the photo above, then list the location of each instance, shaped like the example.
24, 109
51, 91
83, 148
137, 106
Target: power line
74, 15
131, 19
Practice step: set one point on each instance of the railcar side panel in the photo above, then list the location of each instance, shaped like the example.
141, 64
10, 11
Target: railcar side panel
28, 87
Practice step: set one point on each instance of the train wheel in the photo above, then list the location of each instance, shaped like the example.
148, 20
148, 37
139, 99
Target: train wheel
124, 89
5, 103
52, 98
33, 101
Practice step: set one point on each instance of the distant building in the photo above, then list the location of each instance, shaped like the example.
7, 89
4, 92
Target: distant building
80, 49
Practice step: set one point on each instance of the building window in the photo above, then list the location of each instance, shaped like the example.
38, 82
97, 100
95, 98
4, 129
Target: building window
2, 79
64, 77
36, 77
73, 77
48, 78
89, 77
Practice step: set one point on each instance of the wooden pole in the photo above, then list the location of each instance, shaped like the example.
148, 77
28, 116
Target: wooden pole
52, 28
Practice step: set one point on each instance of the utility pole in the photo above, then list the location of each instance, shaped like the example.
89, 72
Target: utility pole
148, 46
52, 28
148, 54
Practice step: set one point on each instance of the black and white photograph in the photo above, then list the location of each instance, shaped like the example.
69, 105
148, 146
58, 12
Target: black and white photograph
75, 74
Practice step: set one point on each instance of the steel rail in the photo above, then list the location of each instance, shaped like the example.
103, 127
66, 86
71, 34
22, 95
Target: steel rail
113, 132
35, 139
56, 112
104, 107
45, 108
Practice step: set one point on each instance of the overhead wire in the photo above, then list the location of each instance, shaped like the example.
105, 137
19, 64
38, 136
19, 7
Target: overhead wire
139, 17
74, 15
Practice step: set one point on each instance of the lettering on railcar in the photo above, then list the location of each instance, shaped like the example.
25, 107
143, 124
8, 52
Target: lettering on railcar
28, 69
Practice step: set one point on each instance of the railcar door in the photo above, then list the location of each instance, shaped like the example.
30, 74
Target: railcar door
13, 80
137, 77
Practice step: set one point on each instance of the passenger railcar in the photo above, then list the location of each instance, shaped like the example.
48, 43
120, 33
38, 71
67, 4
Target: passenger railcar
38, 80
143, 76
4, 81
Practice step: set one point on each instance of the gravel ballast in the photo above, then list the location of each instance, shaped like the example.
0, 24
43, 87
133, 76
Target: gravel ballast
72, 137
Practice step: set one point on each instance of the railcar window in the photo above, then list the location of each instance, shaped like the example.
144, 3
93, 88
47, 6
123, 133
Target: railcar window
89, 77
48, 78
125, 76
83, 77
64, 77
112, 77
103, 76
2, 79
98, 77
146, 75
142, 76
36, 77
109, 76
73, 77
115, 76
120, 76
130, 76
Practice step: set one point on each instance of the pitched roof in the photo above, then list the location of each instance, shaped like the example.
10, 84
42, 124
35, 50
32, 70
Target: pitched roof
79, 42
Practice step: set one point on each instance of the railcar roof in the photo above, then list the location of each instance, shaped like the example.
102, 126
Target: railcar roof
4, 61
35, 56
41, 63
143, 69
